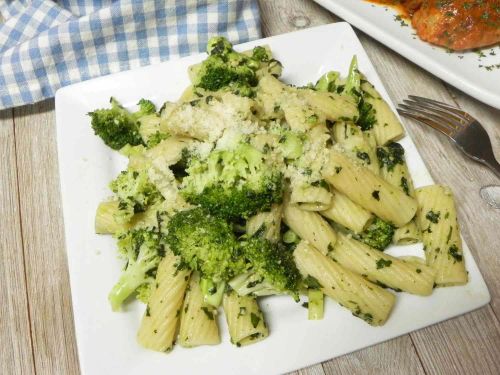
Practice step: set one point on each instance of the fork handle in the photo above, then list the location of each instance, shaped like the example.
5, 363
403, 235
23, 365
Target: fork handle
493, 165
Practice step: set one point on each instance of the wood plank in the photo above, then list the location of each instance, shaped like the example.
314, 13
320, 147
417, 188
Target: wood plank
311, 370
466, 345
16, 355
42, 229
396, 357
283, 16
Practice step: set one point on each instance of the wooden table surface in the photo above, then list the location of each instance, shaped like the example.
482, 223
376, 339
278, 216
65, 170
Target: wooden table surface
36, 319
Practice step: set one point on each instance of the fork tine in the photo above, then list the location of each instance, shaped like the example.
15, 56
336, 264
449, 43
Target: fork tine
442, 105
453, 119
444, 130
442, 121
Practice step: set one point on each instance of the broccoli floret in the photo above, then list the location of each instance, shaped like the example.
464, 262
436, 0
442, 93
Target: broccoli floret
135, 193
205, 243
391, 155
116, 126
272, 269
219, 45
217, 73
225, 68
378, 234
233, 184
146, 107
143, 292
156, 138
259, 53
143, 251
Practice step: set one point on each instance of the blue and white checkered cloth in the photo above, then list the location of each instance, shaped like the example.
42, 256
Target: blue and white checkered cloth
45, 45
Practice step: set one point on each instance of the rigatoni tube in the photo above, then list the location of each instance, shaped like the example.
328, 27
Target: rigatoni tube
159, 324
437, 218
345, 212
310, 226
244, 319
366, 300
382, 268
198, 319
369, 190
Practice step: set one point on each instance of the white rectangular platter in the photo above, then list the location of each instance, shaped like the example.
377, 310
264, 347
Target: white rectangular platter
106, 340
477, 73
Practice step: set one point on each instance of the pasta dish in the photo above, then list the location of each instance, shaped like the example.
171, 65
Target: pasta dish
247, 187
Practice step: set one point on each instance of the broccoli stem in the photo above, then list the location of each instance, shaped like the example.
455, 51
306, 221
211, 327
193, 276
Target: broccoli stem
327, 82
290, 237
251, 283
315, 308
353, 84
130, 280
212, 292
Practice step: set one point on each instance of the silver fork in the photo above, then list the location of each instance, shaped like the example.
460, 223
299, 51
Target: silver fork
463, 129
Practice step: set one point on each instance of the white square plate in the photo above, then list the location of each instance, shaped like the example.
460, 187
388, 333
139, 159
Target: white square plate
477, 73
106, 340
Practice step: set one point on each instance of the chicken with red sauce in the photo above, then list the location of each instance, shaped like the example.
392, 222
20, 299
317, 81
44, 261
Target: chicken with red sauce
454, 24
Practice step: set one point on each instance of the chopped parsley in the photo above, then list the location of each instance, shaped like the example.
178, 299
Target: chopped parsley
454, 253
363, 156
404, 185
391, 155
208, 313
254, 319
433, 217
367, 117
382, 263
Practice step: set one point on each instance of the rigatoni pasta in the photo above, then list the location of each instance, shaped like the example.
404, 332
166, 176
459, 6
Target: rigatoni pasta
266, 224
310, 226
160, 321
345, 212
387, 128
381, 268
369, 190
407, 234
198, 319
356, 144
366, 300
393, 169
244, 319
437, 218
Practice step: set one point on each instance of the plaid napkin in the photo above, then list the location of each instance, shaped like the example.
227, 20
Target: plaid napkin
45, 45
